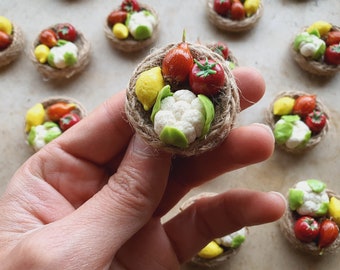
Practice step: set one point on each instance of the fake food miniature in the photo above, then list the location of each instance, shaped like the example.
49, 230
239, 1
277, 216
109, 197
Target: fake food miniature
183, 99
47, 120
311, 220
60, 51
299, 121
223, 49
317, 48
11, 41
132, 26
234, 15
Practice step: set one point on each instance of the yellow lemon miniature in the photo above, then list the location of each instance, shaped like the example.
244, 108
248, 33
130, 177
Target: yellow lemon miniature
148, 85
283, 106
6, 25
321, 26
251, 7
334, 209
41, 53
35, 116
120, 31
210, 251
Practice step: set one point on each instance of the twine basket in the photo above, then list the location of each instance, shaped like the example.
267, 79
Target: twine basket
286, 225
220, 259
12, 52
319, 68
271, 119
130, 44
51, 73
226, 104
79, 110
228, 25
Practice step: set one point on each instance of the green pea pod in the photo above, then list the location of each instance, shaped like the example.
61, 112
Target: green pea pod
165, 92
209, 113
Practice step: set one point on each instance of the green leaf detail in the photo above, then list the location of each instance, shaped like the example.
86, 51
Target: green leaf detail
173, 136
209, 113
295, 198
316, 185
165, 92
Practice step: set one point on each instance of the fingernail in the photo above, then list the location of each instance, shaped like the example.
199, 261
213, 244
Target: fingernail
265, 127
279, 195
142, 148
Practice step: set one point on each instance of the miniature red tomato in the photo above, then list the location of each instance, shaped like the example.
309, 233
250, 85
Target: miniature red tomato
329, 231
68, 120
221, 49
116, 16
5, 40
48, 37
66, 31
316, 121
304, 105
237, 11
222, 7
333, 37
306, 229
206, 77
332, 55
130, 5
59, 109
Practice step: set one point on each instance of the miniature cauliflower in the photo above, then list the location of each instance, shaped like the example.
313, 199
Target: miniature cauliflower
309, 197
233, 240
181, 117
63, 55
41, 135
141, 24
310, 45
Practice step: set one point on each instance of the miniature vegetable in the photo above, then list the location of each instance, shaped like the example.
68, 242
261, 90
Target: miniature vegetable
141, 24
316, 121
130, 5
237, 11
48, 37
332, 55
309, 198
322, 27
222, 7
306, 229
333, 37
5, 40
206, 77
233, 240
116, 16
63, 55
304, 105
66, 31
221, 49
310, 45
68, 120
59, 109
41, 135
329, 231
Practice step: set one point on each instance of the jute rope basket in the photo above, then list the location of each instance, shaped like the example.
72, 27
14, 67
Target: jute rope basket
226, 104
79, 109
228, 252
228, 25
271, 119
286, 225
312, 66
130, 44
13, 51
51, 73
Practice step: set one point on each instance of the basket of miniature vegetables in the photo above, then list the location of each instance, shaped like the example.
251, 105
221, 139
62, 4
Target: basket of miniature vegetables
222, 49
317, 49
132, 27
218, 250
234, 15
60, 51
312, 218
11, 41
299, 120
183, 99
48, 119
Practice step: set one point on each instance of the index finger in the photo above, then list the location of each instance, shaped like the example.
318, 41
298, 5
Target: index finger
105, 132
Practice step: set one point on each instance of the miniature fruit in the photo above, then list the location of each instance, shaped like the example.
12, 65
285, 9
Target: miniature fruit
116, 16
316, 121
222, 7
329, 231
120, 31
130, 5
251, 7
35, 116
283, 105
68, 120
66, 31
178, 62
206, 77
333, 37
306, 229
321, 26
210, 251
304, 105
41, 53
59, 109
148, 85
334, 209
5, 40
332, 55
48, 37
237, 11
221, 49
6, 25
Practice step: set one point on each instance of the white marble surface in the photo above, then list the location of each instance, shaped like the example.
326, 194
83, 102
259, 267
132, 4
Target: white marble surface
266, 48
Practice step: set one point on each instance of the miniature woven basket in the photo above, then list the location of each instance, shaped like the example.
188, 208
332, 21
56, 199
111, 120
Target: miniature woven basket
226, 104
130, 44
229, 25
286, 225
312, 66
271, 119
51, 73
231, 56
222, 258
13, 51
80, 109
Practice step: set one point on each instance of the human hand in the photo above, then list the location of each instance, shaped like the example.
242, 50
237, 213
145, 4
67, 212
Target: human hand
94, 197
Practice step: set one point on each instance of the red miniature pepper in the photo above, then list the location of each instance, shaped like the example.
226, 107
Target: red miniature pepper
329, 231
316, 121
59, 109
332, 55
68, 120
130, 5
66, 31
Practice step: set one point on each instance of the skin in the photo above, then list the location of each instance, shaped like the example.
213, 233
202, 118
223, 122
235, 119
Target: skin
94, 197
